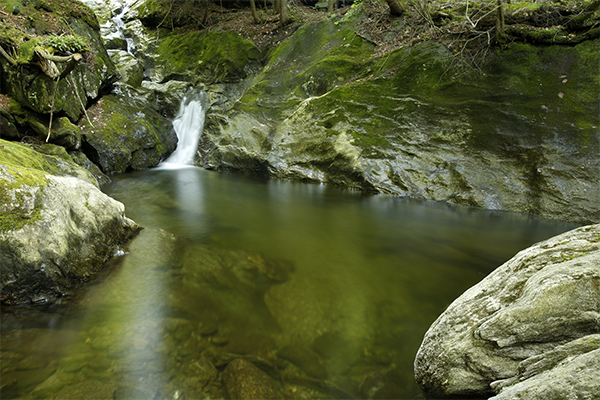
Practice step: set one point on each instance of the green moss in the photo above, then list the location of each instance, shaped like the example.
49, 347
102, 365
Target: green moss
210, 56
27, 167
295, 71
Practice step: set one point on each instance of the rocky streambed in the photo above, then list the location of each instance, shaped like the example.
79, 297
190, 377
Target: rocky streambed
520, 134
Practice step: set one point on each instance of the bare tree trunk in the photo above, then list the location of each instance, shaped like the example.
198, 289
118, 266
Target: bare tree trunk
330, 6
395, 7
499, 21
254, 13
284, 15
277, 6
205, 12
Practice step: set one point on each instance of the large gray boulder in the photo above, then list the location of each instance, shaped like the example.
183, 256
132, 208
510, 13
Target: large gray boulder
526, 331
56, 227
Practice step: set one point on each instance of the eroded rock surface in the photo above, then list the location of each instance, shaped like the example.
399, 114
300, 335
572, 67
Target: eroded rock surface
526, 330
521, 136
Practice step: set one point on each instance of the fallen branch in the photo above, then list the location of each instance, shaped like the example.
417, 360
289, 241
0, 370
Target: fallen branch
80, 102
47, 63
7, 57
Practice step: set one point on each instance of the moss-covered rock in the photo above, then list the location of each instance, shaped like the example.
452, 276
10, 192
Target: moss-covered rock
56, 227
129, 67
530, 328
521, 135
126, 134
33, 89
204, 57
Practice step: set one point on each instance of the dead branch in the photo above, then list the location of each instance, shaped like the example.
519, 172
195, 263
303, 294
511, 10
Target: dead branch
7, 57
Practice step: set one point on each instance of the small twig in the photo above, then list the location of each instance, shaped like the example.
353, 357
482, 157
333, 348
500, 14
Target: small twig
52, 110
72, 82
167, 14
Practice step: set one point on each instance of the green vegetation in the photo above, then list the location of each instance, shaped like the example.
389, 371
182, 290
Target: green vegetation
46, 25
208, 56
27, 168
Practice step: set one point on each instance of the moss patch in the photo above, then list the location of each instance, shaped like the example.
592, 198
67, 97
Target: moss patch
27, 168
316, 59
207, 57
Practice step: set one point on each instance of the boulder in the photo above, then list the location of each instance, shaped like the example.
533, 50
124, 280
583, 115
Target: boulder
571, 371
37, 92
56, 227
203, 57
413, 124
243, 380
127, 133
523, 331
130, 69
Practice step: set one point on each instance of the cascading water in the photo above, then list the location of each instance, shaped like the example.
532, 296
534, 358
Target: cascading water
188, 125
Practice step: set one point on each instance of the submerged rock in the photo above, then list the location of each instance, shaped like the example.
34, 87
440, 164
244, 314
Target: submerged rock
243, 380
88, 390
525, 331
56, 227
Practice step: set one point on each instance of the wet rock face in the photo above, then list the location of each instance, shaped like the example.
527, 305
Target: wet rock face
55, 231
521, 136
243, 380
525, 330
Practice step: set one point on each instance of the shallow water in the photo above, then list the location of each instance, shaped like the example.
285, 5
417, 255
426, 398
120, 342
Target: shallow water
332, 289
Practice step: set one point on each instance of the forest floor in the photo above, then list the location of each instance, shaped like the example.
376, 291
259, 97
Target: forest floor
466, 28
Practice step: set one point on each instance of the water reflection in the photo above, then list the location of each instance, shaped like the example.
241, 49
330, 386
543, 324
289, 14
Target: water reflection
329, 290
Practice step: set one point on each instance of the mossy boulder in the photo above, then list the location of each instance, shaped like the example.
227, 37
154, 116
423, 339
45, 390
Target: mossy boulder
33, 89
56, 227
204, 57
520, 135
63, 132
528, 330
127, 133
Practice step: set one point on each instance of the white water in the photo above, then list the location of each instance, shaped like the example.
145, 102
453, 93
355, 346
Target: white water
188, 125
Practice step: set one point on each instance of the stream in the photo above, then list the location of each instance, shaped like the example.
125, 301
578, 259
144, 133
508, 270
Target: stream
332, 289
329, 291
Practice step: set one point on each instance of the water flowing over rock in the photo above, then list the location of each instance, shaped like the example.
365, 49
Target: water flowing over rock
55, 231
528, 330
188, 125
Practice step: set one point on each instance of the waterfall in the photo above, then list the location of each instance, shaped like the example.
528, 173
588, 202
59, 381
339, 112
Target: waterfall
188, 125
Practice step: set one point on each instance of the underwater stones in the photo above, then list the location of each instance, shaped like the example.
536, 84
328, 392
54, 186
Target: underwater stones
126, 134
88, 390
523, 326
243, 380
